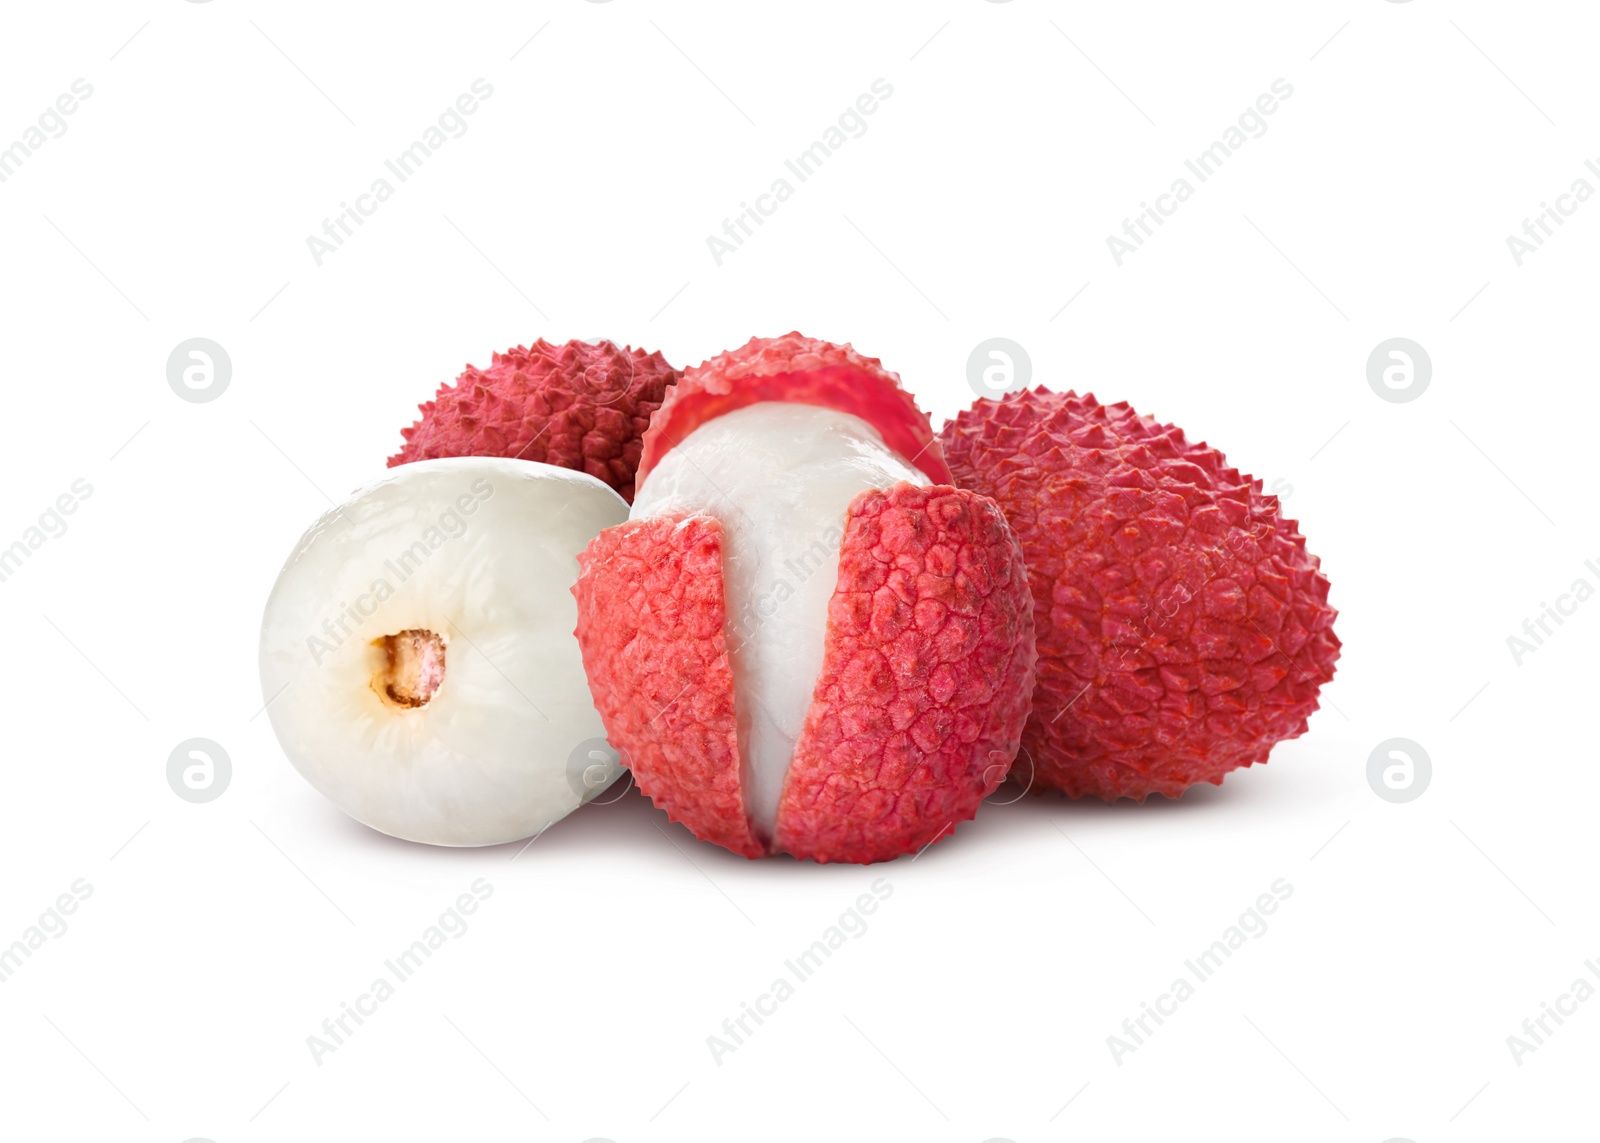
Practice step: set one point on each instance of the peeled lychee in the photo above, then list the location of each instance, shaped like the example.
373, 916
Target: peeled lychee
799, 641
417, 655
1183, 628
582, 405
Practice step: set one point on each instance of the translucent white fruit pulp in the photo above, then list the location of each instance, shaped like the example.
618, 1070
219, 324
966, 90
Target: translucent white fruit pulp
780, 477
482, 552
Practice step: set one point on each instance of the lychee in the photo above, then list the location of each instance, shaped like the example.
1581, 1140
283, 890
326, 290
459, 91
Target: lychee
582, 405
1183, 628
799, 640
417, 655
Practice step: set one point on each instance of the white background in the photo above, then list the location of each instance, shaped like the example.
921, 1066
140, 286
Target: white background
978, 1003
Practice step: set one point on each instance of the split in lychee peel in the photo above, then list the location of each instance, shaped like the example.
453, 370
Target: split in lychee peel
917, 709
805, 678
1183, 629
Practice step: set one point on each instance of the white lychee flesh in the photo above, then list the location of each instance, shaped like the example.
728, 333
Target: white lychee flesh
418, 657
780, 477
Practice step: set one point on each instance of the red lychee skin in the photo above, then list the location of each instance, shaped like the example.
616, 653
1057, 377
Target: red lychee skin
917, 711
925, 682
576, 405
651, 623
798, 369
1183, 629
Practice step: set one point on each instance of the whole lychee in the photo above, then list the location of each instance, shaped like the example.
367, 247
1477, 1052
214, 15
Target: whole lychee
582, 405
417, 656
799, 641
1183, 628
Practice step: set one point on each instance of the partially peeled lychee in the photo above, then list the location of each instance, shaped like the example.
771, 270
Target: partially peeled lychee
417, 656
799, 640
1183, 628
581, 405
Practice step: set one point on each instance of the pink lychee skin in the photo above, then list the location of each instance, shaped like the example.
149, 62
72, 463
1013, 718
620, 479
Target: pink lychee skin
928, 648
796, 368
917, 711
576, 405
1182, 627
652, 629
925, 681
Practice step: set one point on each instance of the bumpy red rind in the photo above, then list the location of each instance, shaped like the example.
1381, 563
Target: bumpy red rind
925, 682
577, 405
802, 370
651, 623
1182, 627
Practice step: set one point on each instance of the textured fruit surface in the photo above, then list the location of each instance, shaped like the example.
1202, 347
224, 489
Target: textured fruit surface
798, 369
417, 658
860, 633
577, 405
781, 478
1182, 627
844, 670
917, 711
651, 616
925, 678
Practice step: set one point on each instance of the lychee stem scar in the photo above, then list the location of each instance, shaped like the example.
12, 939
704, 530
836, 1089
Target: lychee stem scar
411, 670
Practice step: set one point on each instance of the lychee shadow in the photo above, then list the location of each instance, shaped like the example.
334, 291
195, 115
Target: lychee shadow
610, 824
